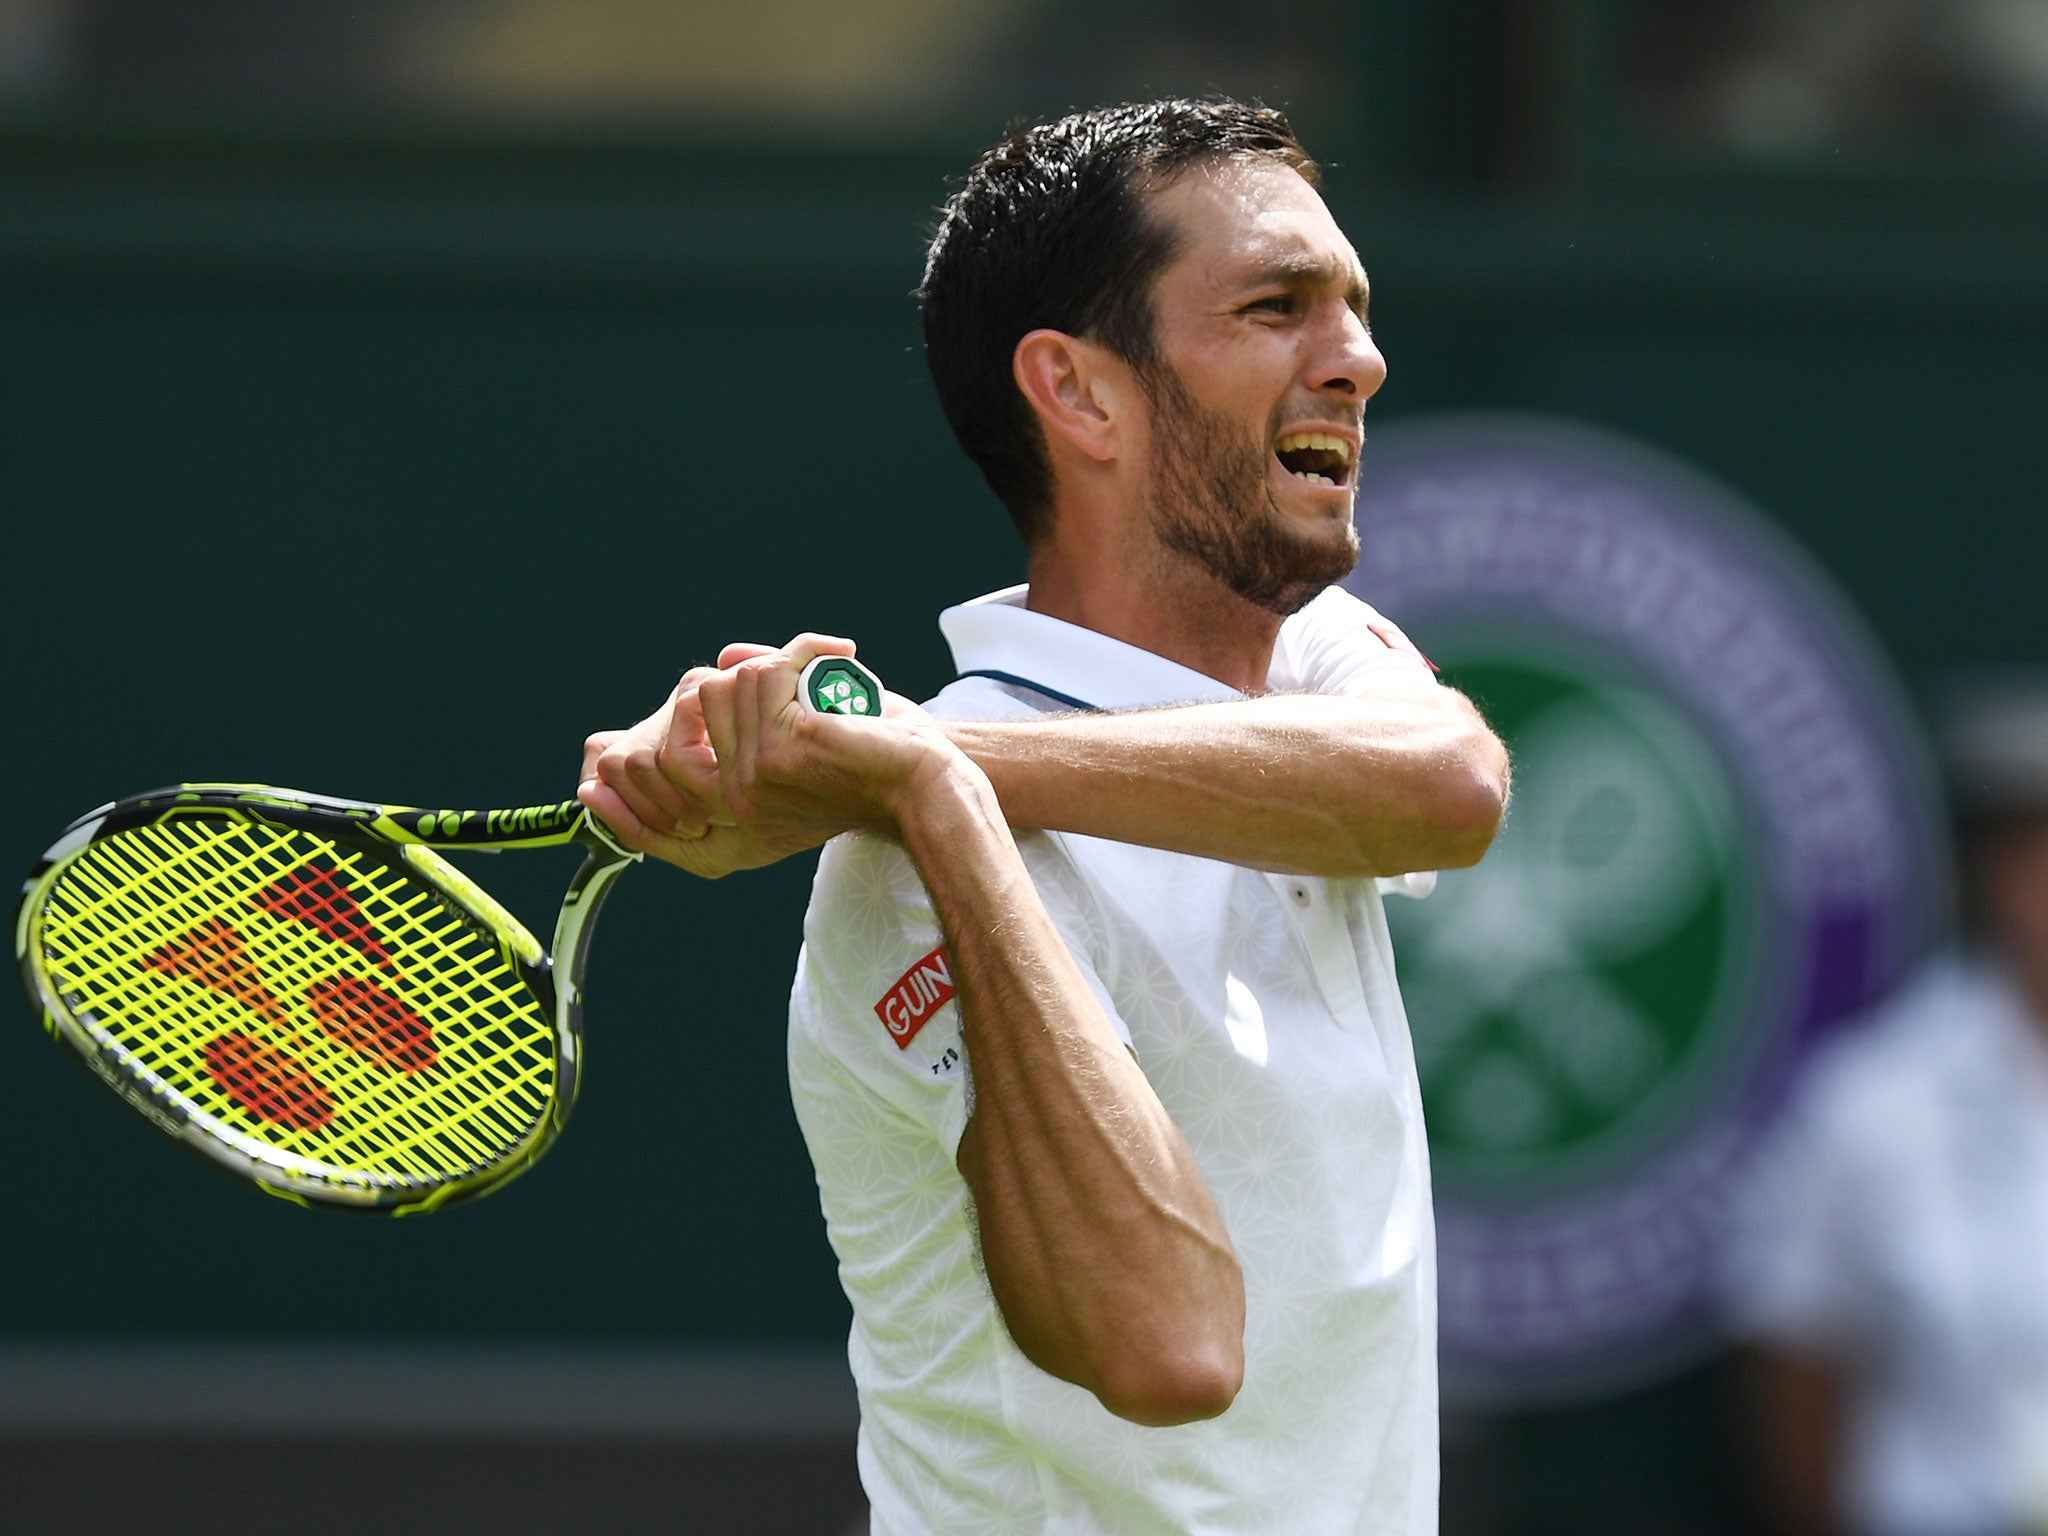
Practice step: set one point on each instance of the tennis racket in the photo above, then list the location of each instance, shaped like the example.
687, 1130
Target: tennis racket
305, 992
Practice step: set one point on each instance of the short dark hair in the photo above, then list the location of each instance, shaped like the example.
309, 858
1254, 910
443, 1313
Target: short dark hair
1051, 229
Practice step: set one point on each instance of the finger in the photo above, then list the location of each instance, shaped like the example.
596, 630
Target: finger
629, 769
647, 777
737, 772
715, 704
684, 758
682, 725
775, 691
807, 647
743, 650
604, 803
645, 811
683, 852
594, 746
692, 770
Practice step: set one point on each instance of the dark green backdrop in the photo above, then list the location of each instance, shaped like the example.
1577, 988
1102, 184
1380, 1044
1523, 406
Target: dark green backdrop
392, 472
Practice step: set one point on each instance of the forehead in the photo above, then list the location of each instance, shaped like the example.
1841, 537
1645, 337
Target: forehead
1241, 221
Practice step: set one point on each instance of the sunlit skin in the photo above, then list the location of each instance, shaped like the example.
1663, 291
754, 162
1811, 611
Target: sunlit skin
2013, 876
1260, 329
1260, 320
1172, 526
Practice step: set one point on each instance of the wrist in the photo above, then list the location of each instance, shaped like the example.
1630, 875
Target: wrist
941, 795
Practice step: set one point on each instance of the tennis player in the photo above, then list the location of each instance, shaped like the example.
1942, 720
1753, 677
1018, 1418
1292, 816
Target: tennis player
1095, 1038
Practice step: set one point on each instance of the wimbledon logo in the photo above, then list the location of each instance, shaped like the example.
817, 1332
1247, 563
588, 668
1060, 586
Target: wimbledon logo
1720, 846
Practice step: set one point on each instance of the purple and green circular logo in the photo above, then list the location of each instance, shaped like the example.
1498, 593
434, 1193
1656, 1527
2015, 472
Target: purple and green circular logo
1723, 841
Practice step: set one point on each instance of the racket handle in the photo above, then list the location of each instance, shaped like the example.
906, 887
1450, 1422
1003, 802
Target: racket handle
839, 685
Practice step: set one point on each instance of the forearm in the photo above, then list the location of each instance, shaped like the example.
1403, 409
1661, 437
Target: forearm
1302, 783
1797, 1405
1101, 1240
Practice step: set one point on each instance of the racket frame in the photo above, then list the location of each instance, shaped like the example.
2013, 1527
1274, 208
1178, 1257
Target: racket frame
410, 838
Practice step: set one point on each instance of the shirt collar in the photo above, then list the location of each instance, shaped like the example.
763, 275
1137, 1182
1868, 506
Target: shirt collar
997, 635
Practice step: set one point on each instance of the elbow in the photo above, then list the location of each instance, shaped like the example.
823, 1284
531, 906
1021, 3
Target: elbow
1186, 1365
1159, 1365
1440, 808
1471, 800
1197, 1382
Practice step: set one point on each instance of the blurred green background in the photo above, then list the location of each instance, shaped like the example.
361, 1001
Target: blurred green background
394, 395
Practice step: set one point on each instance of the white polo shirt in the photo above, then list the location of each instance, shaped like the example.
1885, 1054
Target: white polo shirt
1264, 1013
1899, 1227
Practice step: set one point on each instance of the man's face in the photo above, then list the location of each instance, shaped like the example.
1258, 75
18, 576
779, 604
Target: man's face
1258, 396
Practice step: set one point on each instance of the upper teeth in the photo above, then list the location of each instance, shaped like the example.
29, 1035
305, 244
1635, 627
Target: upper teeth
1323, 440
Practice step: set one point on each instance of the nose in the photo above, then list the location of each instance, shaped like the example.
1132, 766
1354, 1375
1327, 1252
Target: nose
1350, 366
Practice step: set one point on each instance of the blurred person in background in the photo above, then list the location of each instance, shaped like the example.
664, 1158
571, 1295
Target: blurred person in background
1890, 1268
1777, 77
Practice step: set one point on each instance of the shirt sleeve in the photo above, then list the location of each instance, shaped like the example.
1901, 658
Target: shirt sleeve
874, 987
1789, 1266
1340, 645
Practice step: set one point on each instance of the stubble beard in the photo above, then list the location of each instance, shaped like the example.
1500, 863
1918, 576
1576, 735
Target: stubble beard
1210, 503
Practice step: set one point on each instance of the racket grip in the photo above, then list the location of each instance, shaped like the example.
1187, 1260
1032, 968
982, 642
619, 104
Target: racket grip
839, 685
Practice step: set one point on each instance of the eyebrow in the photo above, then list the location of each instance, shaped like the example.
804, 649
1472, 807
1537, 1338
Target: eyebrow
1300, 271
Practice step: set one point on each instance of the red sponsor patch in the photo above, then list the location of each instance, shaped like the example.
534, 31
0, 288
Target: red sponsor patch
1394, 640
919, 993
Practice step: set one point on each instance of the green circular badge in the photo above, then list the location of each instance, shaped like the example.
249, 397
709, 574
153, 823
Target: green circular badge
837, 685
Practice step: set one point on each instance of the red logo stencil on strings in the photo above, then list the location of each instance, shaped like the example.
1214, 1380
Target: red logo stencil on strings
270, 1084
364, 1017
213, 956
919, 993
322, 898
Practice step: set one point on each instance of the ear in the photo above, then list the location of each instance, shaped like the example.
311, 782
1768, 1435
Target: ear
1078, 389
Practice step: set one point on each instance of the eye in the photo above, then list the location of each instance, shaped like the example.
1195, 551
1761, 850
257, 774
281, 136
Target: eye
1272, 304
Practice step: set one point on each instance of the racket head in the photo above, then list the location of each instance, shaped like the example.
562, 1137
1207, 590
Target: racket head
303, 991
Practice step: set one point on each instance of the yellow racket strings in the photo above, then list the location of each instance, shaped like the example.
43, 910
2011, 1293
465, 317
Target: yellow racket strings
304, 994
214, 993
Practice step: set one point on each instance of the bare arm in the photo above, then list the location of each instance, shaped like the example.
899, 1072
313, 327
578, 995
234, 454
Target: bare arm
1102, 1242
1103, 1245
1409, 777
1796, 1404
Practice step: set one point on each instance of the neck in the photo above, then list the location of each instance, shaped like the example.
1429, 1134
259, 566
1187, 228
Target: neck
1168, 608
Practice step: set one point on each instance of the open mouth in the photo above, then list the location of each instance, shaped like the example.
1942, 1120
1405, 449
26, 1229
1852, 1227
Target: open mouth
1320, 458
